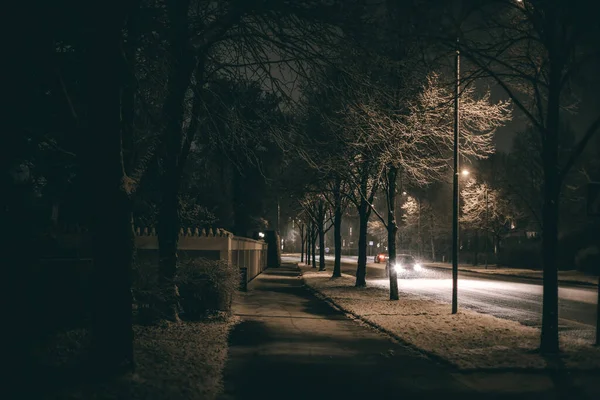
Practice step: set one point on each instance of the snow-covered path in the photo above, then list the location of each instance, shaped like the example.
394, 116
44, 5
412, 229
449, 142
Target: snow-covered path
504, 297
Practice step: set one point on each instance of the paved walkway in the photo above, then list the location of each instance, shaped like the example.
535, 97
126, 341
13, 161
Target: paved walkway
292, 345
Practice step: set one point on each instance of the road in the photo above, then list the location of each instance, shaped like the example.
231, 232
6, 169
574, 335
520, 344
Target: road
510, 298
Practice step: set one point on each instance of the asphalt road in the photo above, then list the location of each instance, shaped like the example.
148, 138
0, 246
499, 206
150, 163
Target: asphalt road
510, 298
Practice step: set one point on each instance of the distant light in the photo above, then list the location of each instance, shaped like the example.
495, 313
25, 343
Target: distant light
465, 172
404, 193
260, 234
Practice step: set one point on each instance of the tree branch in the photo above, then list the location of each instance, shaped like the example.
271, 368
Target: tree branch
579, 148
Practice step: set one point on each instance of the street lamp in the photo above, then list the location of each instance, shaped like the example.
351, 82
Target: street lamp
455, 194
465, 172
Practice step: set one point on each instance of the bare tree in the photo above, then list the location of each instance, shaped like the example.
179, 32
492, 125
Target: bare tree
416, 139
377, 229
321, 131
302, 228
412, 217
487, 209
317, 209
236, 39
335, 195
109, 193
534, 50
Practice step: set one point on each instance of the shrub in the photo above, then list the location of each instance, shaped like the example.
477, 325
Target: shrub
588, 260
526, 255
578, 249
206, 286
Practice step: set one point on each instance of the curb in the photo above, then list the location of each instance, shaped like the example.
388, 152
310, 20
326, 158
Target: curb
454, 368
529, 278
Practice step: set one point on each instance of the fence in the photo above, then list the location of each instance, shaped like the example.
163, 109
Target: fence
247, 254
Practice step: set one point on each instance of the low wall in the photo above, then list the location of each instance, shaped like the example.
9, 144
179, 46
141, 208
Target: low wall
249, 254
242, 252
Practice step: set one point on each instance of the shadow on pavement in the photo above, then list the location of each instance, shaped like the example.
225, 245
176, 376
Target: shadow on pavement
291, 345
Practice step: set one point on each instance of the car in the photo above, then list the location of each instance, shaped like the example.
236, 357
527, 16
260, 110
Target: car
381, 257
406, 265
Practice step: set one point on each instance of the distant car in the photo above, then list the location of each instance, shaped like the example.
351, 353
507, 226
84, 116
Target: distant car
406, 264
381, 257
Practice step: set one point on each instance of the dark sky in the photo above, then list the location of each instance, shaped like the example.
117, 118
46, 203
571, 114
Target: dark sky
587, 90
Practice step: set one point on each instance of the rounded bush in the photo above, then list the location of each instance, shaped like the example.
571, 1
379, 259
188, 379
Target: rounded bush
205, 286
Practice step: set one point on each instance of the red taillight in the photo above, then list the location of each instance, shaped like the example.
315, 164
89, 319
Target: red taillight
381, 256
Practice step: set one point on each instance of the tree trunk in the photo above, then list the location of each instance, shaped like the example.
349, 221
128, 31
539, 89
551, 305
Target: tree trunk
314, 247
308, 243
549, 338
361, 269
476, 248
181, 68
111, 222
302, 244
307, 250
128, 92
392, 229
549, 334
168, 219
431, 237
321, 247
419, 231
168, 238
337, 230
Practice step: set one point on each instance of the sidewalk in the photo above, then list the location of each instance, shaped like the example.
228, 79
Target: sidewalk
570, 277
292, 345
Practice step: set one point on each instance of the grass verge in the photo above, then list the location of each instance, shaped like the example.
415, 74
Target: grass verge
173, 361
467, 340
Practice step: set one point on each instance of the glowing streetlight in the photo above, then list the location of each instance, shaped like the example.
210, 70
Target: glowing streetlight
465, 172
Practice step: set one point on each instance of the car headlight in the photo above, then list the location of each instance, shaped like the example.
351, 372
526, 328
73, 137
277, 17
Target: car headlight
418, 267
399, 267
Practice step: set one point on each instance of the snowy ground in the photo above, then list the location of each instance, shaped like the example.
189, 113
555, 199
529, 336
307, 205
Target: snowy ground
173, 361
469, 340
502, 296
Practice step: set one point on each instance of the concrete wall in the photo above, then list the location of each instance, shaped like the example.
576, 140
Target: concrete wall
242, 252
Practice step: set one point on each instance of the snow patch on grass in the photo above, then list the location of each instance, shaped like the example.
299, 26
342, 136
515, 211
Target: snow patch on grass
173, 361
468, 340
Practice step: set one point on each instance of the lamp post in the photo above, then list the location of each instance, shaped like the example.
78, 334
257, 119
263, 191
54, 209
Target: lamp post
455, 196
